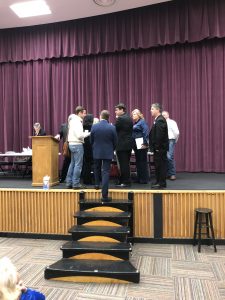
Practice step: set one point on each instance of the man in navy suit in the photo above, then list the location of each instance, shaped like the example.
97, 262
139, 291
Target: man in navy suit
103, 140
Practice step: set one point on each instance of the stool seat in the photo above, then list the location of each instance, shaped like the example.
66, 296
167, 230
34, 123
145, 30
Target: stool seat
202, 214
204, 210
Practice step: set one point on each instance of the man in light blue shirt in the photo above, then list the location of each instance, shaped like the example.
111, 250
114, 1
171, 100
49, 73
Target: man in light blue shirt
173, 133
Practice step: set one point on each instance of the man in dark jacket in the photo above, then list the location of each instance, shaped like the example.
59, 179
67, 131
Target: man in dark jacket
38, 131
103, 140
66, 162
159, 145
124, 128
88, 156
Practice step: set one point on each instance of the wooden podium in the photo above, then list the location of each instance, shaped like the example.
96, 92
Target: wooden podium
45, 160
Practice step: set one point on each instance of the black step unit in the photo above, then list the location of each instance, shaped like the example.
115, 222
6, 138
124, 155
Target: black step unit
123, 204
121, 270
121, 218
82, 231
119, 250
94, 265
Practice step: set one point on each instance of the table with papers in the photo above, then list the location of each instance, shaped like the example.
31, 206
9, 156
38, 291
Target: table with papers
16, 163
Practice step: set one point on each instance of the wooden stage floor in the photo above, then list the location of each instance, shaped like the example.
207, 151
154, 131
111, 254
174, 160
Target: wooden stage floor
185, 181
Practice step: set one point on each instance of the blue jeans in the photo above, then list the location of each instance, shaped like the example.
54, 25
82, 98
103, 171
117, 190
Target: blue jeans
171, 166
74, 171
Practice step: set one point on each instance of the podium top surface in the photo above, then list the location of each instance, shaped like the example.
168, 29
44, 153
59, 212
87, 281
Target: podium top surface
45, 137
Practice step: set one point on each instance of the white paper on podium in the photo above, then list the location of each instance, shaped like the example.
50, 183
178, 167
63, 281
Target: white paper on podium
139, 142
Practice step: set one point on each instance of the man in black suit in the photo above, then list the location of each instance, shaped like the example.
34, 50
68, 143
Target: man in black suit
103, 140
124, 128
66, 162
159, 145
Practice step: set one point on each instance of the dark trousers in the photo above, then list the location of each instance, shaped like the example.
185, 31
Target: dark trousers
86, 170
160, 159
65, 167
124, 166
142, 165
101, 173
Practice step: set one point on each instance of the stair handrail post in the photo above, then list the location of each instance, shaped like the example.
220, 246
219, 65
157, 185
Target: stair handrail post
81, 195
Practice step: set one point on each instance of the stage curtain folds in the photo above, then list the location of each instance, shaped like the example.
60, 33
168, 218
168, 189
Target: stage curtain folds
158, 25
188, 80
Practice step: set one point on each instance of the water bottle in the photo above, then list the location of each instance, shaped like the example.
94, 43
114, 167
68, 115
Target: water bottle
46, 179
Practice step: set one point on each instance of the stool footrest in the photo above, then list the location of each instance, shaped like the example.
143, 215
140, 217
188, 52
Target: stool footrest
205, 226
205, 238
203, 233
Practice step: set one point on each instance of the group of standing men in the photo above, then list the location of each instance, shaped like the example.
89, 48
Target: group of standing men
106, 138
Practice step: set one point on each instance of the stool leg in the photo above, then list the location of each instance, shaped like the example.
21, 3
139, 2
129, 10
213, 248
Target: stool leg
195, 229
207, 228
212, 231
207, 224
199, 233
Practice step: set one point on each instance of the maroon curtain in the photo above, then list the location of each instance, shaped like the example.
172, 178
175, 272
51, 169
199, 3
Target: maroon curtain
187, 79
163, 24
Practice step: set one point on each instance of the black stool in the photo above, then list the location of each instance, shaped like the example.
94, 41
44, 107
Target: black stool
205, 213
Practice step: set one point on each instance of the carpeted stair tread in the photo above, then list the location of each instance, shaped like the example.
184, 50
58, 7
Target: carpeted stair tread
113, 202
105, 215
123, 270
99, 229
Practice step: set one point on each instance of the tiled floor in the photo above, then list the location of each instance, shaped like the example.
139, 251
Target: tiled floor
167, 272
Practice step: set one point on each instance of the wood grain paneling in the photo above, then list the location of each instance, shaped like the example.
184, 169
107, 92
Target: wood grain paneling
143, 215
37, 211
178, 212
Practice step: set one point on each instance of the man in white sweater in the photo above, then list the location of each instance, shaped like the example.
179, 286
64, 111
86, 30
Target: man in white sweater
76, 139
173, 133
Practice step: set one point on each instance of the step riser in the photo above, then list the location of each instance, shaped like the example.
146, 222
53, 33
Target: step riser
90, 279
119, 237
101, 223
62, 276
95, 215
95, 238
123, 207
122, 255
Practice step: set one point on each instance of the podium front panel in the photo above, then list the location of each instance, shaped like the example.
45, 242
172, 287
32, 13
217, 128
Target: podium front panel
45, 160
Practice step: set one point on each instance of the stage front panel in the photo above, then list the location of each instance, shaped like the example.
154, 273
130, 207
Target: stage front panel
33, 211
157, 214
143, 215
178, 212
